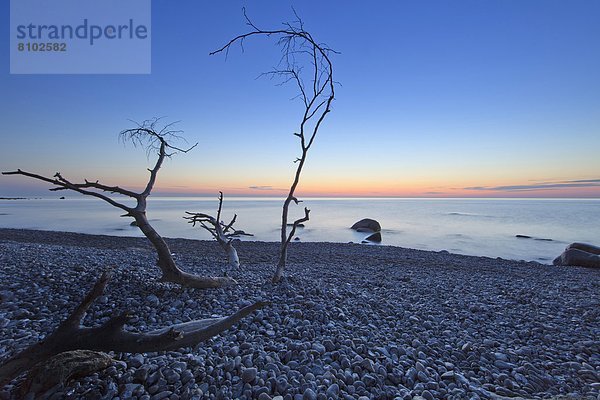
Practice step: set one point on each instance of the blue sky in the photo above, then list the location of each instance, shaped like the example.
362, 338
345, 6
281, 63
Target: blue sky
436, 98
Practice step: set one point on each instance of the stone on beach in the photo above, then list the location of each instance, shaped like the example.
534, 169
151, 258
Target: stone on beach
581, 255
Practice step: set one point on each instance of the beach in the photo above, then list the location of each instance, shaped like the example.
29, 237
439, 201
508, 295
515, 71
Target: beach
350, 321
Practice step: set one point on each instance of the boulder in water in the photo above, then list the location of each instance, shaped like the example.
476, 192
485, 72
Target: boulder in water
366, 225
375, 237
581, 255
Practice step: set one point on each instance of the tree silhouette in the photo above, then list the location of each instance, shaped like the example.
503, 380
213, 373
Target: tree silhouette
157, 140
316, 91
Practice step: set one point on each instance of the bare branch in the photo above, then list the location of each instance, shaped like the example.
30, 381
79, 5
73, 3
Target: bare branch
219, 230
65, 184
298, 222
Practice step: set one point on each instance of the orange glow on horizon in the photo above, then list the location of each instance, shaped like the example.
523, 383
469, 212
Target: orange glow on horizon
366, 189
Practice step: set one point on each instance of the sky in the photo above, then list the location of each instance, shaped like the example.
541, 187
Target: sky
435, 99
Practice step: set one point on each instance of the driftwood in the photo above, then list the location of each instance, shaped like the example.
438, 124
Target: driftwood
111, 336
146, 134
62, 368
316, 92
223, 233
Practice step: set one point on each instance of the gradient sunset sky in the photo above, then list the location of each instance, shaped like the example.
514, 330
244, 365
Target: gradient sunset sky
437, 99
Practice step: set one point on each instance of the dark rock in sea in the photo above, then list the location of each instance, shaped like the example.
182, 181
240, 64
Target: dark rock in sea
375, 237
366, 223
298, 226
133, 223
62, 197
581, 255
297, 239
530, 237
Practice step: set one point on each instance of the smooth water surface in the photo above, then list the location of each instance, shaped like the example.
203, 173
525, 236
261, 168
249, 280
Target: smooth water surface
484, 227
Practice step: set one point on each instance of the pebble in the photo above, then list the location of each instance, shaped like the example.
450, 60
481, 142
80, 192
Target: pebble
309, 394
249, 374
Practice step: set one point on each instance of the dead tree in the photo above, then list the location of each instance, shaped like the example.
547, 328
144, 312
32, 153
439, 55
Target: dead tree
148, 135
223, 233
111, 336
315, 90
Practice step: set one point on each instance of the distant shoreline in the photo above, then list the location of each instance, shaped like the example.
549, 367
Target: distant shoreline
108, 241
20, 198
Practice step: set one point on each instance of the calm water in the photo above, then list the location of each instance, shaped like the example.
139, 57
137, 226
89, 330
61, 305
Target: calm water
484, 227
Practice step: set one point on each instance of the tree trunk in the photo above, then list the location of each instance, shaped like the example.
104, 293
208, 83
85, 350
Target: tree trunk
170, 272
232, 257
281, 264
284, 237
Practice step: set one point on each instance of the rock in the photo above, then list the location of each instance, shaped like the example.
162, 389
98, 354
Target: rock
427, 395
297, 226
448, 375
375, 237
136, 361
369, 380
523, 236
333, 391
504, 365
319, 348
140, 375
153, 300
329, 345
581, 255
366, 223
309, 394
128, 389
171, 376
264, 396
161, 395
249, 374
133, 223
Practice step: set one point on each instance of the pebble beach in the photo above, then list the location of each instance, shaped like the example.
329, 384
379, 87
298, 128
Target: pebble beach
350, 321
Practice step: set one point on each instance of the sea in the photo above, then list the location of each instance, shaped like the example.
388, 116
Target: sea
480, 227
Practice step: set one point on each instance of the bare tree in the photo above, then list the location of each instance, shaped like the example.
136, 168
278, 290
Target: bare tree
111, 336
315, 90
154, 139
223, 233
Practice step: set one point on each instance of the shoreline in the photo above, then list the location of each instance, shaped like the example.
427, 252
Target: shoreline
349, 321
94, 239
